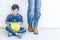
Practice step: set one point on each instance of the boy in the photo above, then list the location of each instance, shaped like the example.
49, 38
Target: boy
14, 17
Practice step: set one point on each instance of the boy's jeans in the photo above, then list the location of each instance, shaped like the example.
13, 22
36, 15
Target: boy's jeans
13, 32
34, 12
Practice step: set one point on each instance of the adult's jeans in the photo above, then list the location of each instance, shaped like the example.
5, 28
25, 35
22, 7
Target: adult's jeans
34, 12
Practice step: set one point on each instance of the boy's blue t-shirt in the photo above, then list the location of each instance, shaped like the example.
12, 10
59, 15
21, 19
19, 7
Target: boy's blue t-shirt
12, 18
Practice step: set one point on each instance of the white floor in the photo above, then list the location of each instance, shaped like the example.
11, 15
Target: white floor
44, 34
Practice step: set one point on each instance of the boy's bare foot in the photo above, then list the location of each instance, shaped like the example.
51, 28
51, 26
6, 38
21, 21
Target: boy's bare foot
30, 29
35, 30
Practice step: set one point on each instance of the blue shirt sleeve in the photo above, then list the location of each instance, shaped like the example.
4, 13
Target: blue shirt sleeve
20, 19
7, 19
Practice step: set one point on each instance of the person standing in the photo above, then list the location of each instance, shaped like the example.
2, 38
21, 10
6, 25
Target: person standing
33, 15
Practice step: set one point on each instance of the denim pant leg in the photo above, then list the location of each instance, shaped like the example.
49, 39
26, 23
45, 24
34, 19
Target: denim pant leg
10, 30
37, 12
30, 14
22, 30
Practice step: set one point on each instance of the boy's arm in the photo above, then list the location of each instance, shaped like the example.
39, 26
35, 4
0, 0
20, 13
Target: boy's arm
20, 20
8, 22
20, 23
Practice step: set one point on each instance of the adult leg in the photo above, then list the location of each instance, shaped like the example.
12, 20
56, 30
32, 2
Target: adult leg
30, 14
37, 14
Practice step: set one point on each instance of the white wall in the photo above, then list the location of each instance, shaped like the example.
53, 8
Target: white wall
50, 12
5, 9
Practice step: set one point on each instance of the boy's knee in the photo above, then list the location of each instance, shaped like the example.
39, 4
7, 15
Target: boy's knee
7, 27
23, 30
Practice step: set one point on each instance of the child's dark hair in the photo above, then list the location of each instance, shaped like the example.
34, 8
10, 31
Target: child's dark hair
15, 6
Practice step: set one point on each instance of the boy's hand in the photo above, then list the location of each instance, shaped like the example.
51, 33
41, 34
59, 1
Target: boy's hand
10, 22
20, 22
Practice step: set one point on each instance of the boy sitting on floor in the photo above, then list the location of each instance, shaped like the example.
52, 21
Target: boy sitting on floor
17, 18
